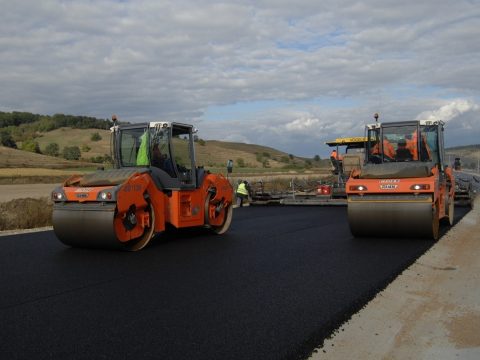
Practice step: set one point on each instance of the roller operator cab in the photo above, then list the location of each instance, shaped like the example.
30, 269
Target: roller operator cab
154, 182
404, 187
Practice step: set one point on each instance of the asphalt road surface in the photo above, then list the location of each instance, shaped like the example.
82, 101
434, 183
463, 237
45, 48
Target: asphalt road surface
279, 282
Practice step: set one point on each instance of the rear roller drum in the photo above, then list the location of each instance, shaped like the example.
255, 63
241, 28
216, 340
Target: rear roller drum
136, 225
217, 215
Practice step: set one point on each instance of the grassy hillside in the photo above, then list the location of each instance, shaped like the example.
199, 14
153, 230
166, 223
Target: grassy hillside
13, 158
211, 154
217, 153
77, 137
17, 167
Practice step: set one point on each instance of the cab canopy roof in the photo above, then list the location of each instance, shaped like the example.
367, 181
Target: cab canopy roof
351, 142
155, 124
406, 123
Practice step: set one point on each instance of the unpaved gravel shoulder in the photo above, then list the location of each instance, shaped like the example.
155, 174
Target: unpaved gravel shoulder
431, 311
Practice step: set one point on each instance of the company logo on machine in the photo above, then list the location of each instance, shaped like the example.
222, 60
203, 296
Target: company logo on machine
83, 190
389, 181
81, 195
134, 187
389, 184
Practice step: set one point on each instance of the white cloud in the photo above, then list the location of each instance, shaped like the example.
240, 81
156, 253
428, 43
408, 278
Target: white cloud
450, 111
303, 125
152, 59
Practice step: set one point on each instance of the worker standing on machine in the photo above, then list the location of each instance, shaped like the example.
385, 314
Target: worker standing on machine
242, 192
336, 160
335, 155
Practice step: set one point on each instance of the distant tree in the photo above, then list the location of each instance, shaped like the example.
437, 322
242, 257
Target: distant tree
290, 156
96, 137
7, 140
31, 145
71, 152
52, 149
201, 142
308, 163
86, 148
316, 158
266, 154
265, 163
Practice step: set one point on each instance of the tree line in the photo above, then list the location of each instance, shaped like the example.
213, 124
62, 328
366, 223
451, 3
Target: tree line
24, 127
45, 123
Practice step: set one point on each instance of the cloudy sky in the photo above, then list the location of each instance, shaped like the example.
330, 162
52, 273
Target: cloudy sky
286, 74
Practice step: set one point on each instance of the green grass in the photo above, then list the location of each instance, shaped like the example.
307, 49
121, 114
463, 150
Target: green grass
77, 137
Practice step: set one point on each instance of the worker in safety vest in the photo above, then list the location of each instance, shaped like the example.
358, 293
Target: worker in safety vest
335, 155
388, 149
403, 152
142, 155
242, 193
412, 146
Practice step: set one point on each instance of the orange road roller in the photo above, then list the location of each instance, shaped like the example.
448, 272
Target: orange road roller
404, 188
154, 182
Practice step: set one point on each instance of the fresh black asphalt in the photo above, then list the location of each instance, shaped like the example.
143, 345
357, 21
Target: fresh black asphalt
279, 282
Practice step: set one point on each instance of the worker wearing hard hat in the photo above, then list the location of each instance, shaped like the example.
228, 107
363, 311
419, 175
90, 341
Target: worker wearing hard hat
242, 192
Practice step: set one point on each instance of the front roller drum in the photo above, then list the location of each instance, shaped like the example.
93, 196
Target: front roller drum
92, 226
384, 216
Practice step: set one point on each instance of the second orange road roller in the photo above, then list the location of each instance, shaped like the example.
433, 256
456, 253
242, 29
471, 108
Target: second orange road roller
404, 187
155, 183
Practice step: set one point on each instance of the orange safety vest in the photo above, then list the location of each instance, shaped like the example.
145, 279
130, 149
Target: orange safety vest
335, 155
412, 146
388, 149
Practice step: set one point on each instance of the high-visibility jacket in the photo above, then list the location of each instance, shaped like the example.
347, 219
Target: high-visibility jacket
335, 155
412, 146
142, 155
388, 149
242, 189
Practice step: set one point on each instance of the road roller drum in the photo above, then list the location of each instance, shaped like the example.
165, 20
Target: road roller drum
400, 216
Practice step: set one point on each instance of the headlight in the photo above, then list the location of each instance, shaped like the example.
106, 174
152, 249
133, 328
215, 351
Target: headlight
358, 188
57, 196
420, 187
106, 195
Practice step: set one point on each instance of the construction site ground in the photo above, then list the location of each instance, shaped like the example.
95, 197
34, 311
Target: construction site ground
431, 311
